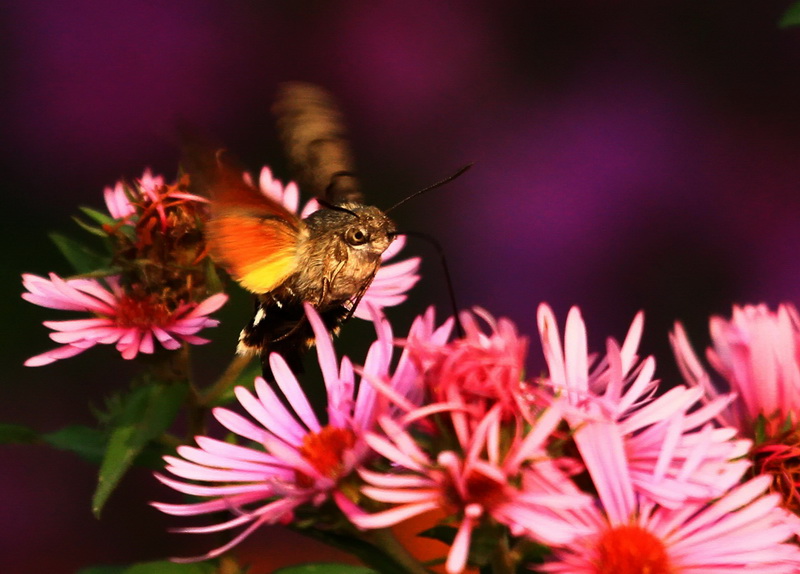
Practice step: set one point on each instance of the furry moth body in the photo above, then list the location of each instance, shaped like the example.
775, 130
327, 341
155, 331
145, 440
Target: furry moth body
327, 259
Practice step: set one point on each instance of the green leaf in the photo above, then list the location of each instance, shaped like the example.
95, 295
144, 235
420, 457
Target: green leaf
88, 443
791, 17
17, 434
147, 413
441, 532
164, 567
103, 570
326, 568
760, 429
82, 258
93, 229
98, 216
159, 567
788, 423
364, 551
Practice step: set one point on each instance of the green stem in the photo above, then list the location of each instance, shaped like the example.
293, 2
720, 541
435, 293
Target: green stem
502, 560
170, 366
385, 540
170, 440
228, 378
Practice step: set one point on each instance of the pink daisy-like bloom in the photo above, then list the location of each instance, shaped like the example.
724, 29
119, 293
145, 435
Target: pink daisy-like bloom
481, 369
757, 352
672, 450
391, 283
518, 486
298, 461
117, 202
629, 534
149, 192
132, 323
117, 199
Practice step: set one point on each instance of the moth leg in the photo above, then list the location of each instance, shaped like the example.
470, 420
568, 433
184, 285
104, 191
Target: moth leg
357, 298
327, 281
292, 331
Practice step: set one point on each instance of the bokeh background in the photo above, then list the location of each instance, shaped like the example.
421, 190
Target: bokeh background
628, 155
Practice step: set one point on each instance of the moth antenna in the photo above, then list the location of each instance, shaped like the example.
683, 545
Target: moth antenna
433, 241
439, 183
335, 207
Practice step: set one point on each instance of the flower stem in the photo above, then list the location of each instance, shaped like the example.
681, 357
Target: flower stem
502, 561
171, 366
384, 539
231, 374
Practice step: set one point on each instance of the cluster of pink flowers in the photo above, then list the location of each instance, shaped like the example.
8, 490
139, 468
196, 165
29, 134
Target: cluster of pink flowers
593, 458
455, 427
124, 311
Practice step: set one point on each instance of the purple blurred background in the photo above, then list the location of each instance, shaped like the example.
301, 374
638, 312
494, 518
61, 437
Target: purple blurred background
628, 156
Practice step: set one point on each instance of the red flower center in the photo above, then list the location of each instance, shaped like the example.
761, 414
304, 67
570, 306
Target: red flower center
485, 491
631, 550
141, 311
325, 451
478, 489
779, 455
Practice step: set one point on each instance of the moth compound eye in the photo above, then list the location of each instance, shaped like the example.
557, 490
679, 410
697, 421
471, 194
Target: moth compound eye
356, 236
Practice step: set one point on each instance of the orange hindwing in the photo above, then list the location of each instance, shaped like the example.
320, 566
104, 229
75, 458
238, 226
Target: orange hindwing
249, 234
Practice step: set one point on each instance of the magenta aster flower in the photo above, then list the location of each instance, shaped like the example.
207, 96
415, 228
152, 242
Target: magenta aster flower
132, 322
742, 530
118, 198
149, 193
757, 352
298, 461
117, 202
672, 449
391, 282
482, 369
516, 486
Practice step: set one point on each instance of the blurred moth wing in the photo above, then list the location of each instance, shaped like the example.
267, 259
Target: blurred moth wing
312, 129
253, 237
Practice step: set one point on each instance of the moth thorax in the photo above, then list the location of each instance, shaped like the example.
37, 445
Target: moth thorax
343, 250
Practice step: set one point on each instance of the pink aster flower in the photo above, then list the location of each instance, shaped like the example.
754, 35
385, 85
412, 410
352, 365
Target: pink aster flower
149, 193
132, 322
757, 352
299, 461
483, 368
117, 202
119, 198
628, 534
671, 448
390, 284
518, 486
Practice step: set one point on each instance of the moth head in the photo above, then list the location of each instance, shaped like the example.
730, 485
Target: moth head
362, 229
